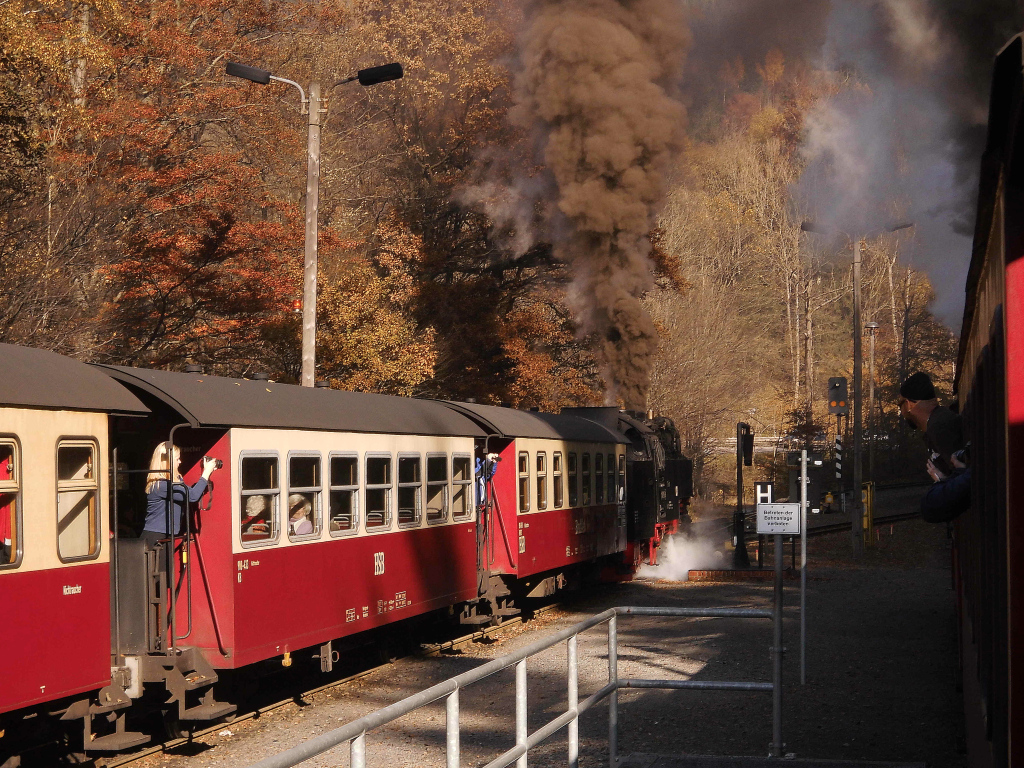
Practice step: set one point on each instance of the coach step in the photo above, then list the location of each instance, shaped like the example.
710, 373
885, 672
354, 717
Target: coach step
117, 742
208, 711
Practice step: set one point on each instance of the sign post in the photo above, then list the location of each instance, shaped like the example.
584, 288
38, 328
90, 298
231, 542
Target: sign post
777, 519
803, 567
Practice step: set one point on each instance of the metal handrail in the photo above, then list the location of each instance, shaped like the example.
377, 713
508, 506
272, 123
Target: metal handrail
355, 732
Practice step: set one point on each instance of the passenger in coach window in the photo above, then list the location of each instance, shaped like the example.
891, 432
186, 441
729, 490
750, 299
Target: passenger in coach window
299, 508
255, 524
180, 494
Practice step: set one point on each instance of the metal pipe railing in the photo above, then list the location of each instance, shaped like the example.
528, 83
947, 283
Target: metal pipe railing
354, 733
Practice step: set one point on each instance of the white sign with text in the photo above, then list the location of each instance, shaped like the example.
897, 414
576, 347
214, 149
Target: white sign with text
778, 518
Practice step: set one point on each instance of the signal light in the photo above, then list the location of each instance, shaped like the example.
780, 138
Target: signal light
297, 306
745, 436
837, 396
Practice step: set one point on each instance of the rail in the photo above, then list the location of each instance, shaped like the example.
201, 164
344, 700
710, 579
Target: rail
354, 733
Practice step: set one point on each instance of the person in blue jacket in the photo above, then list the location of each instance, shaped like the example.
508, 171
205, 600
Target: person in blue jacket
155, 528
950, 496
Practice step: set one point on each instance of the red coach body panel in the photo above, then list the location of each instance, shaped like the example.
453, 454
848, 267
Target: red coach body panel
215, 594
503, 546
561, 537
294, 597
55, 641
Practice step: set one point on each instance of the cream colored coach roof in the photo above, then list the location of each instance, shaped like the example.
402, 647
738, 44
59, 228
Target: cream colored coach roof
37, 378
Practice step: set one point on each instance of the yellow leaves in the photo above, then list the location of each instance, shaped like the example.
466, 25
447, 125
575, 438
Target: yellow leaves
367, 340
767, 124
47, 34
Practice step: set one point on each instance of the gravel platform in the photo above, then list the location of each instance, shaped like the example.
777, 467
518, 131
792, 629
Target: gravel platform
881, 667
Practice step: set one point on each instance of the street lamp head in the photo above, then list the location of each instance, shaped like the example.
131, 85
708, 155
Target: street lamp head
246, 72
381, 74
872, 326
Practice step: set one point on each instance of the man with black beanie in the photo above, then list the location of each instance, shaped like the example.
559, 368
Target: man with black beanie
943, 433
942, 430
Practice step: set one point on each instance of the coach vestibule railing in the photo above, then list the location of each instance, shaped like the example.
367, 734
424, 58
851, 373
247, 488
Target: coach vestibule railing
355, 732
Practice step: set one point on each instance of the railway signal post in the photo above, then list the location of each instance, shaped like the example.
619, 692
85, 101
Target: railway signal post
744, 455
839, 404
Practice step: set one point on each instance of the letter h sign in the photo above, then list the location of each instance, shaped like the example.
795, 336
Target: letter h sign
764, 493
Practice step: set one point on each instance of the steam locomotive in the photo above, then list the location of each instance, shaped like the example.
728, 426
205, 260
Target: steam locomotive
410, 508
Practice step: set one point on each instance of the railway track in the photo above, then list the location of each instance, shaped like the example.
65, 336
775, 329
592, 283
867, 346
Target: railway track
845, 526
434, 649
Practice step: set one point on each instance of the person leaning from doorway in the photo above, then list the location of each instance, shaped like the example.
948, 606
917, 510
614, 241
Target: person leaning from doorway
920, 408
155, 528
950, 496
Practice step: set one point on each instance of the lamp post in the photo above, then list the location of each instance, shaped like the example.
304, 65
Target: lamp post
872, 329
857, 513
311, 106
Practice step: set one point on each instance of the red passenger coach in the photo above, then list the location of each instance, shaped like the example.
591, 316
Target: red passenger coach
989, 537
335, 513
54, 560
556, 502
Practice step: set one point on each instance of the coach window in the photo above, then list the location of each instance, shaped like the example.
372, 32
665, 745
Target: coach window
586, 479
542, 480
344, 514
410, 490
599, 477
437, 488
524, 482
77, 492
611, 478
260, 500
574, 494
305, 486
556, 479
462, 488
10, 498
378, 492
622, 476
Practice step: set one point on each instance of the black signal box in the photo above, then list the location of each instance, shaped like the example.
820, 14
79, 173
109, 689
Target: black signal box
745, 435
838, 401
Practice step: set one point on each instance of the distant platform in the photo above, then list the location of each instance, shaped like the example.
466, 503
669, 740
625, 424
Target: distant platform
707, 761
741, 574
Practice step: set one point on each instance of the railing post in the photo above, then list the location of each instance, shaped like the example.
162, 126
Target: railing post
357, 751
613, 697
452, 730
574, 700
522, 731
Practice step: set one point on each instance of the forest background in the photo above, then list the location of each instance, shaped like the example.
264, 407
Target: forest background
151, 215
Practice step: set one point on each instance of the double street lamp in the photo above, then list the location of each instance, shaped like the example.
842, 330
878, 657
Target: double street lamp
311, 106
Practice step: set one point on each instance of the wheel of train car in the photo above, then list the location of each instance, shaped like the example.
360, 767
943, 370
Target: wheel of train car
173, 727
